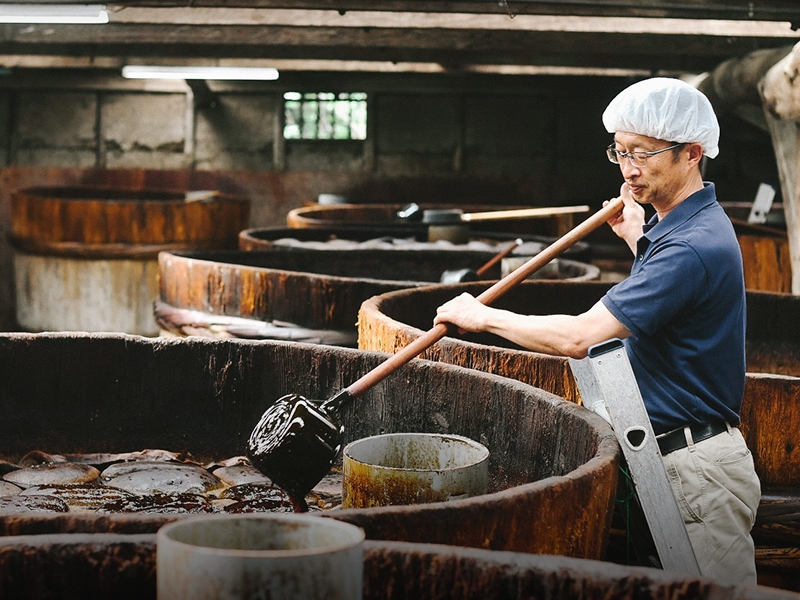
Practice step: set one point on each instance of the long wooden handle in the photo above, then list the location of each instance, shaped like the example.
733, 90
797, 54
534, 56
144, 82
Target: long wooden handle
437, 332
498, 257
519, 213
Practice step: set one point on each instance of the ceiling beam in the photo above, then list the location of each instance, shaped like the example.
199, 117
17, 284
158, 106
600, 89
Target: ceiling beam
451, 48
767, 10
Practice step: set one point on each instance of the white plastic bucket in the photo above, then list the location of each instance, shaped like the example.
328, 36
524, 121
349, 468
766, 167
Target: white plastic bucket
256, 556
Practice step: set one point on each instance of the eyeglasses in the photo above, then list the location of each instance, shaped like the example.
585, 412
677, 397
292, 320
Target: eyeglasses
638, 159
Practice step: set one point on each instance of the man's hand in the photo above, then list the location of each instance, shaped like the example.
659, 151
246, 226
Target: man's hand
464, 311
628, 223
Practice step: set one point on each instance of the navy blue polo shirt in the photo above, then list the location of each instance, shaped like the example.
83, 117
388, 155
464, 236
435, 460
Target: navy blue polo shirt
684, 303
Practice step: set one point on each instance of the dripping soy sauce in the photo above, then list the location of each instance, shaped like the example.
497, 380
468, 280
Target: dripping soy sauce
294, 444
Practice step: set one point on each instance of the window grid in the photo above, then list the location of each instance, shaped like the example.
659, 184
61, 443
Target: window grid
325, 116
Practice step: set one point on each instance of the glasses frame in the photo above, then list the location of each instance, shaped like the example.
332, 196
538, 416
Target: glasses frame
637, 159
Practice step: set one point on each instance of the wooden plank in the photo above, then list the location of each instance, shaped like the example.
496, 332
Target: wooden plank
778, 10
780, 91
451, 48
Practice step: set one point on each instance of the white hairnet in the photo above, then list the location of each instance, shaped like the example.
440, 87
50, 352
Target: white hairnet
665, 109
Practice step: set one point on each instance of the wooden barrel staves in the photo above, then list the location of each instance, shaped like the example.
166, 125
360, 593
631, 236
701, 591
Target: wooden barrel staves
553, 477
302, 294
765, 248
86, 258
770, 413
321, 216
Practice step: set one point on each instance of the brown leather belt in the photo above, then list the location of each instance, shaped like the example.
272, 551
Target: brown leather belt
676, 439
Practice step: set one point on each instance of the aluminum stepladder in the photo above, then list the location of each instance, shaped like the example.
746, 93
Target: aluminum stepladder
608, 387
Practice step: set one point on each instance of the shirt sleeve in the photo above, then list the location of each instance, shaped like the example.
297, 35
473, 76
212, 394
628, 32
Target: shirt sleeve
668, 282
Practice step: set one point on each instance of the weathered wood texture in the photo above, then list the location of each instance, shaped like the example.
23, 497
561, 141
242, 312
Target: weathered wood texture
102, 392
765, 248
761, 88
454, 44
780, 91
770, 424
272, 193
391, 321
120, 567
404, 572
75, 566
115, 223
767, 264
327, 238
732, 86
770, 414
85, 258
781, 10
311, 288
773, 333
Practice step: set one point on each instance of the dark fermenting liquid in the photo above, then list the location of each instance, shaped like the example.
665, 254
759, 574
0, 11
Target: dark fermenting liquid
299, 504
240, 488
294, 444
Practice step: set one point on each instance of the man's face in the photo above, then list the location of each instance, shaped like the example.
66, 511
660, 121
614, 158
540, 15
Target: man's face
661, 178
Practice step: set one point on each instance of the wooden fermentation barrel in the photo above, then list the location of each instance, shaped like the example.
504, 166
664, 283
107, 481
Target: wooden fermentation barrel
347, 236
770, 415
108, 566
86, 258
322, 216
553, 464
316, 293
765, 248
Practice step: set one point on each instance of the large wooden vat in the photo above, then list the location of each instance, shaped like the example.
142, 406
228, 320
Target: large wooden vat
765, 248
322, 216
117, 393
121, 567
770, 415
210, 293
346, 235
86, 258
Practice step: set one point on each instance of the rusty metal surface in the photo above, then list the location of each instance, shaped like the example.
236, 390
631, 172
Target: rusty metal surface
116, 393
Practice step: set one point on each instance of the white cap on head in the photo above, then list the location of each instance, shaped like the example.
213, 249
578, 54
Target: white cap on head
666, 109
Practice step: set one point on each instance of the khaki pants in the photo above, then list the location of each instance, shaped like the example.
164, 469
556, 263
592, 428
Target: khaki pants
718, 492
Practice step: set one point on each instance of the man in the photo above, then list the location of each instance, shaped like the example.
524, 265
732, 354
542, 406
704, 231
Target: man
681, 313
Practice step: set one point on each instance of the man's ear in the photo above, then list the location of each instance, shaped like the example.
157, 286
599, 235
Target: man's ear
695, 153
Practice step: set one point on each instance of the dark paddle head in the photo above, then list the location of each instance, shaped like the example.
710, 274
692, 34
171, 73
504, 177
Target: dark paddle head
296, 442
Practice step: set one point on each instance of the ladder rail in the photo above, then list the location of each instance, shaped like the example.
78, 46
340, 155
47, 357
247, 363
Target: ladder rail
608, 386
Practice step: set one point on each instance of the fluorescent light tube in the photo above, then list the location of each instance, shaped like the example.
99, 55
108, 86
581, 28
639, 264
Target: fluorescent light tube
207, 73
53, 13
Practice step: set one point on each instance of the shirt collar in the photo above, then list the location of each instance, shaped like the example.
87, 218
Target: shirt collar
655, 229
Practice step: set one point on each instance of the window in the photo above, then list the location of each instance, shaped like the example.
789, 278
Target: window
325, 116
